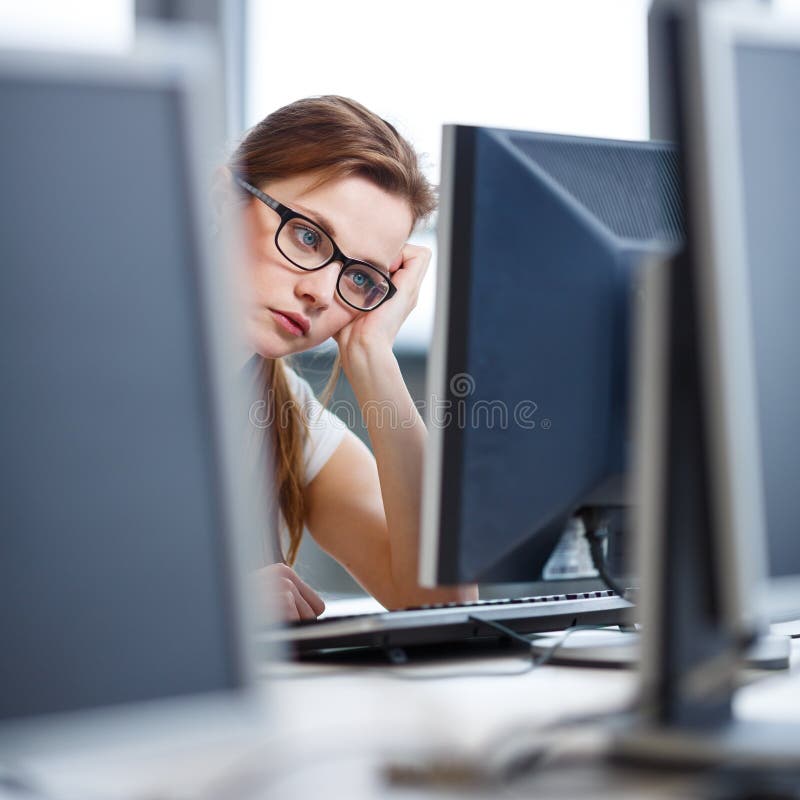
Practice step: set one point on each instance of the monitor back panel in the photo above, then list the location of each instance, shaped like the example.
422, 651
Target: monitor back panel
546, 232
113, 582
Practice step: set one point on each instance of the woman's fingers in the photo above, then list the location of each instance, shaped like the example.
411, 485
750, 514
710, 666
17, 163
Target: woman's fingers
287, 608
409, 276
290, 591
295, 598
315, 602
306, 593
415, 262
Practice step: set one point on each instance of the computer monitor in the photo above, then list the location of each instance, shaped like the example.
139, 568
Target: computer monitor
751, 276
719, 419
540, 237
123, 496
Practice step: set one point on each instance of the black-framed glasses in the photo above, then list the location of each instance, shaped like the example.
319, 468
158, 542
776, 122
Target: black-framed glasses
308, 246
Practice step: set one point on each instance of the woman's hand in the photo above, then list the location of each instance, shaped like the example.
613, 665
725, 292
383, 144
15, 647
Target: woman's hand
379, 328
284, 593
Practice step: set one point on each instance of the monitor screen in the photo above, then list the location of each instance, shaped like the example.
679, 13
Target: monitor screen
769, 129
113, 579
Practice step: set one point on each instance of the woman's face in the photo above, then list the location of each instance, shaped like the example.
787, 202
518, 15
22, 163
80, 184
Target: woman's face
366, 222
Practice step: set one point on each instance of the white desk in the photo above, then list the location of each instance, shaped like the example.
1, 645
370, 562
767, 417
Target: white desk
334, 731
343, 726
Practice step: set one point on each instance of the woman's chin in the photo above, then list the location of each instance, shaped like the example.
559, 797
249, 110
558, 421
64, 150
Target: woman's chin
272, 346
272, 352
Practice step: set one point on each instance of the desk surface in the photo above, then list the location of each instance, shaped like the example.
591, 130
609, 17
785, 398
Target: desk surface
348, 729
362, 732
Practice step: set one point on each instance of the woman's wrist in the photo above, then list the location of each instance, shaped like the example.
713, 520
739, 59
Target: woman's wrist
365, 359
380, 389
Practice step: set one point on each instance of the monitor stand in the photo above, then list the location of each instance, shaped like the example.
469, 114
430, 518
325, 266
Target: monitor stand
759, 752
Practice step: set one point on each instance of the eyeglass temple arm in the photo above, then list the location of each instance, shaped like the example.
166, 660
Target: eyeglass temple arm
264, 198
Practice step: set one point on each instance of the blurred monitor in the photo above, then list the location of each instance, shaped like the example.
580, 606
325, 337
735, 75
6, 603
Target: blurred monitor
723, 79
540, 239
749, 271
122, 497
719, 420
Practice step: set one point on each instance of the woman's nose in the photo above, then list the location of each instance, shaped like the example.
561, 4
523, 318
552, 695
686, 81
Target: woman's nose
319, 286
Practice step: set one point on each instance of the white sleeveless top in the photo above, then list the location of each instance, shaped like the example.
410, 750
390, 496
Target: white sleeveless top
325, 433
325, 429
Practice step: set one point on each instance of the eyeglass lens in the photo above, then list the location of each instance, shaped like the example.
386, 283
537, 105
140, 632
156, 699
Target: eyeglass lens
309, 247
305, 244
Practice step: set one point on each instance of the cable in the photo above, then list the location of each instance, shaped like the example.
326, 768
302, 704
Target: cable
546, 655
510, 753
596, 532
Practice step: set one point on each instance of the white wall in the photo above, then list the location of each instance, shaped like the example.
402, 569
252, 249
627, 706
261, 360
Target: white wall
565, 66
104, 25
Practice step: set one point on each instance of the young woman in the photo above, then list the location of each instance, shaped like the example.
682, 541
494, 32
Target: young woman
331, 193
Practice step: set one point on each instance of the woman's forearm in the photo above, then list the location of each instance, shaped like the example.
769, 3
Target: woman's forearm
398, 438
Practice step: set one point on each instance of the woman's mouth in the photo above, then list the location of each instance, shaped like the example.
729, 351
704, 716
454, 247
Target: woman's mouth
287, 323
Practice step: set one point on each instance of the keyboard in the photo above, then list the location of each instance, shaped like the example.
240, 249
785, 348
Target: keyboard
450, 622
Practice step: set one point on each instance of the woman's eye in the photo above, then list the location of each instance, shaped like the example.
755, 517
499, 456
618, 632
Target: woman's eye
361, 280
307, 236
